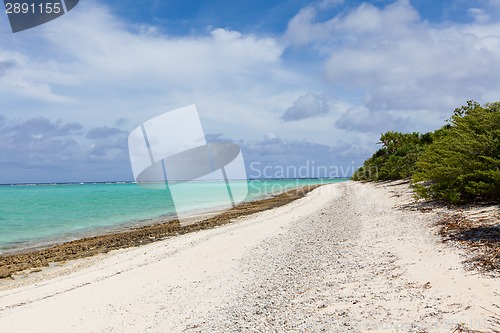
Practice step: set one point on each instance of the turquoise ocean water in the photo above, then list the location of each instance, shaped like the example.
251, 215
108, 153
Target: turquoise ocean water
33, 215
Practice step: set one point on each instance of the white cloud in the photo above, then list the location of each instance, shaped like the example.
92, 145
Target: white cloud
479, 15
301, 30
274, 157
400, 61
92, 68
361, 119
360, 72
103, 68
307, 106
365, 19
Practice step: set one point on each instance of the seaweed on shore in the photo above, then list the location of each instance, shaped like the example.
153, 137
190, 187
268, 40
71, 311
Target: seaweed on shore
478, 231
474, 227
90, 246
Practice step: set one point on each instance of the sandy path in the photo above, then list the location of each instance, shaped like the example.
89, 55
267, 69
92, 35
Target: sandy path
342, 259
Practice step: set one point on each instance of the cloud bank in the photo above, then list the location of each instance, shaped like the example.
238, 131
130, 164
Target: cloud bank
400, 61
327, 86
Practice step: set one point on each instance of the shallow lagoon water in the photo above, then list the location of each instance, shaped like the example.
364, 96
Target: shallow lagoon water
37, 214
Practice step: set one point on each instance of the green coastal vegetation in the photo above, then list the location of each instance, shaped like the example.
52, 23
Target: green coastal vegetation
458, 163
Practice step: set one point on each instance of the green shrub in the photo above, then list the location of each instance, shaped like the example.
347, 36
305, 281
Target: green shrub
463, 162
396, 159
459, 162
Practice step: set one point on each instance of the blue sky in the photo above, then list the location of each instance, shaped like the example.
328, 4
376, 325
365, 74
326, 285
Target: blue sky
260, 16
293, 82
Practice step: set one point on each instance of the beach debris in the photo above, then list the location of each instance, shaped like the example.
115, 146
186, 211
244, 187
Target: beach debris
476, 229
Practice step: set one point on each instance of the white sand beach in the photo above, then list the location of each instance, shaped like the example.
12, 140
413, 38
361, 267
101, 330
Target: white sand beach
345, 258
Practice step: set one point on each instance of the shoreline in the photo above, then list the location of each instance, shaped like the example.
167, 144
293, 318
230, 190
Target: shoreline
110, 224
131, 236
346, 257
